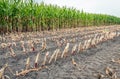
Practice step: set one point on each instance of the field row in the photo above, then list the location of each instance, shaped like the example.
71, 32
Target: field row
32, 52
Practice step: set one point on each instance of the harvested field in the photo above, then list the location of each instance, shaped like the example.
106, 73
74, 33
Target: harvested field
78, 53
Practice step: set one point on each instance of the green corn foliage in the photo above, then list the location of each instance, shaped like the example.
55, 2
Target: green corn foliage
26, 15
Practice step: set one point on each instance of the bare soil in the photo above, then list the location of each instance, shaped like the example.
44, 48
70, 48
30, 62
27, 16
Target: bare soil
91, 61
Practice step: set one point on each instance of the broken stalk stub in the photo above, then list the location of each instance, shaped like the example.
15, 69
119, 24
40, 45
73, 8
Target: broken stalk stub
12, 53
36, 61
74, 49
65, 50
45, 58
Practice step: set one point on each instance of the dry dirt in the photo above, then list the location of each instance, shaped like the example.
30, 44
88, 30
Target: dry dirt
91, 61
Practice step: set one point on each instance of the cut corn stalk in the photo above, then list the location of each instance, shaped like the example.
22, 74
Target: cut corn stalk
75, 64
52, 57
2, 70
57, 53
12, 53
24, 72
45, 58
93, 42
28, 63
23, 47
99, 76
14, 44
85, 43
80, 47
44, 45
74, 49
109, 72
58, 43
36, 60
116, 61
32, 47
88, 43
24, 50
65, 50
3, 45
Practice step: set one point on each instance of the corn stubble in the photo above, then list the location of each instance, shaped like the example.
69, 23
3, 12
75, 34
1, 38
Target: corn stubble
116, 61
12, 53
76, 65
110, 73
74, 49
53, 56
36, 60
2, 72
44, 45
45, 59
23, 47
88, 43
65, 51
28, 63
28, 69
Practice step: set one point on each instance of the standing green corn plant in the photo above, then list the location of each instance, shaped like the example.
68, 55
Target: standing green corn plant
26, 15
